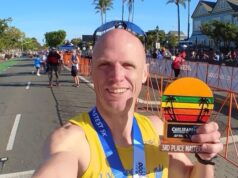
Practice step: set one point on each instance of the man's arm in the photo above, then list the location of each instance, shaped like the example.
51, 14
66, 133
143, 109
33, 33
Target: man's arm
66, 153
59, 165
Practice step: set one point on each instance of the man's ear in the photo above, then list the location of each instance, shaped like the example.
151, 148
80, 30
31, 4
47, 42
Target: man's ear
145, 73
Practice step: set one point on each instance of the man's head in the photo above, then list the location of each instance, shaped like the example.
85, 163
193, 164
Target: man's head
118, 70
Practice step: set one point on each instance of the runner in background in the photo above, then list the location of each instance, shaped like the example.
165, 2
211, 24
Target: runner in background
53, 62
75, 67
37, 64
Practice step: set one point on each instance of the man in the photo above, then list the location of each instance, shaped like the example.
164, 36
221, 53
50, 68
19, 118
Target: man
78, 148
75, 67
176, 64
53, 62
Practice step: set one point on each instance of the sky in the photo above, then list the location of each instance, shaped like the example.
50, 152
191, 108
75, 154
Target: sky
78, 17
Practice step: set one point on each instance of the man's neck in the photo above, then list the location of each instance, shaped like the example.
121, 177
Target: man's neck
120, 125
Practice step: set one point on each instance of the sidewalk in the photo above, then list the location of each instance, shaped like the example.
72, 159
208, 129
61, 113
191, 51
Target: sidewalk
71, 101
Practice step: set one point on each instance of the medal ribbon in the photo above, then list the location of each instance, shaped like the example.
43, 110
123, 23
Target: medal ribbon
105, 136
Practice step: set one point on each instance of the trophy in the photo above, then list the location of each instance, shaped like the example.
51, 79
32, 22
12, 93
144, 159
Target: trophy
186, 104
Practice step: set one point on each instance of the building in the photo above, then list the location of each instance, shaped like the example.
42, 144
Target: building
205, 11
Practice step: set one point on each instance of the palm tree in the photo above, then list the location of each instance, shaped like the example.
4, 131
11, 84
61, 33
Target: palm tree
131, 9
188, 18
122, 13
103, 6
177, 3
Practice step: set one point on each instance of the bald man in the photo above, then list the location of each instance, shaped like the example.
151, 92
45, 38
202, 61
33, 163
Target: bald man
112, 140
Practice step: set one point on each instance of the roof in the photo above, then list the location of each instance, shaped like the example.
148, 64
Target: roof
233, 4
208, 5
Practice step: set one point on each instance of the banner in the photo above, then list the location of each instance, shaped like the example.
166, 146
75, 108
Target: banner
234, 85
192, 69
202, 71
225, 78
213, 75
168, 69
222, 77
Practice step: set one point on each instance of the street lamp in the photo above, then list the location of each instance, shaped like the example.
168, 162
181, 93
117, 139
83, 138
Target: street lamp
157, 33
157, 44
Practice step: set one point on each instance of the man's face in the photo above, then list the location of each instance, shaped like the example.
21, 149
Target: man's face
118, 71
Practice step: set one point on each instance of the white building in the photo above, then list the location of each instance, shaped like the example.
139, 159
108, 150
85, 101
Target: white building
221, 10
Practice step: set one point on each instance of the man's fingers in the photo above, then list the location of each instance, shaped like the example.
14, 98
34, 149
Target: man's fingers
213, 137
212, 148
207, 128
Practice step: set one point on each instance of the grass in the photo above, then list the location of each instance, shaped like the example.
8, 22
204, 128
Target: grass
5, 64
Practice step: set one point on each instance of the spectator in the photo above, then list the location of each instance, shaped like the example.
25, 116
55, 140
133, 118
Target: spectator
75, 68
176, 64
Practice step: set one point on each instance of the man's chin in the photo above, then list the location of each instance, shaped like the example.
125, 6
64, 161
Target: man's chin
119, 107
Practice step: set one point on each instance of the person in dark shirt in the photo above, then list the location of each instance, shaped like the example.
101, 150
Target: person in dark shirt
53, 62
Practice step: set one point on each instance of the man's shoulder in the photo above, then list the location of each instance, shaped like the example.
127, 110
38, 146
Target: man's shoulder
69, 137
155, 120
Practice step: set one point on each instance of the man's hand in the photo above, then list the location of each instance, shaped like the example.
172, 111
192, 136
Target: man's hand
209, 135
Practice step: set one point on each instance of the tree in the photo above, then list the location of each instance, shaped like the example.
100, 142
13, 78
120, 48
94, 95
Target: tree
152, 37
220, 32
102, 6
14, 38
76, 41
55, 38
178, 3
131, 9
4, 24
172, 40
11, 38
31, 44
122, 9
188, 18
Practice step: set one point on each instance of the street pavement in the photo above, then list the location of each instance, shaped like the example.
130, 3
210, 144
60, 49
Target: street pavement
69, 101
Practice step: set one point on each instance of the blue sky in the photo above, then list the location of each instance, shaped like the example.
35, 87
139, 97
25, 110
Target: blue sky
78, 17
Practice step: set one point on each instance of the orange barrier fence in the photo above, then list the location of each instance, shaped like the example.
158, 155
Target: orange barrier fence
85, 66
66, 58
84, 63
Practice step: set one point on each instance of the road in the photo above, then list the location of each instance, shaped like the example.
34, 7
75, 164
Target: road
28, 114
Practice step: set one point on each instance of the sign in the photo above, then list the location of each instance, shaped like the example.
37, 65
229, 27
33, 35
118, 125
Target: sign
187, 103
157, 45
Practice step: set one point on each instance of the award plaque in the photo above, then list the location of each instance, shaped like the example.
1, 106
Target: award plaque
186, 104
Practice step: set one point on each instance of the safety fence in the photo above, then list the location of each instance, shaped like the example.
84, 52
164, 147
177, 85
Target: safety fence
216, 76
84, 64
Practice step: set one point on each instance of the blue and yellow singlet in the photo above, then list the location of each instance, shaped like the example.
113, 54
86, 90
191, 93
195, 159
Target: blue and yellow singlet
156, 161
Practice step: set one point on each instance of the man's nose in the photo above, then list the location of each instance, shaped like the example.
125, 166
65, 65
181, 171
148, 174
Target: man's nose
117, 72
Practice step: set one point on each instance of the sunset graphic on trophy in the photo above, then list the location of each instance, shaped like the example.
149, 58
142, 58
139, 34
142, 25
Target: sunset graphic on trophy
186, 104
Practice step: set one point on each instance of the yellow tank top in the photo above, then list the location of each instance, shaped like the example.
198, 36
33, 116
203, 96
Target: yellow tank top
156, 161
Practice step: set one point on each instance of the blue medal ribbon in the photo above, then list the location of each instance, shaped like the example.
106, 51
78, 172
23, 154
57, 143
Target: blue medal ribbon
105, 136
